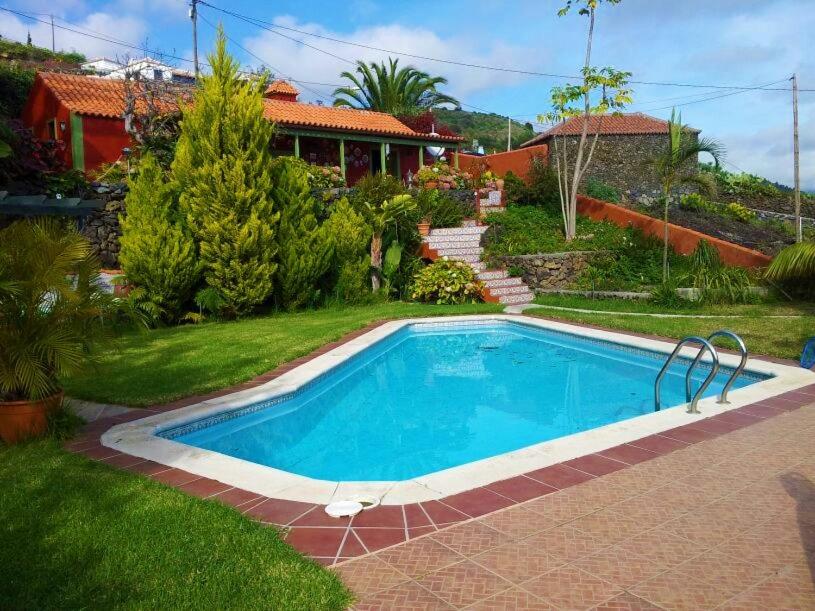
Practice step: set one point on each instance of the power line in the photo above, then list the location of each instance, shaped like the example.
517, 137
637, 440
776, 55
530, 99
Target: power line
271, 27
715, 97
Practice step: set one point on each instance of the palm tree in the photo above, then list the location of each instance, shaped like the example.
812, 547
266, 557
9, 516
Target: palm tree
388, 88
676, 166
796, 262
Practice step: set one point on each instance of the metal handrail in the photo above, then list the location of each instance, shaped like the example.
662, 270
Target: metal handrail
705, 345
742, 348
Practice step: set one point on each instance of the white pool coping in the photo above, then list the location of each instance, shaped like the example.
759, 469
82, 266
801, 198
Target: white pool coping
139, 437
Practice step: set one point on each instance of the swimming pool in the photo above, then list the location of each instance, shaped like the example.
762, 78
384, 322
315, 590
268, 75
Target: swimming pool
432, 396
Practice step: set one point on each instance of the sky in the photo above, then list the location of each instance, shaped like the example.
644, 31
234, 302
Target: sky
745, 43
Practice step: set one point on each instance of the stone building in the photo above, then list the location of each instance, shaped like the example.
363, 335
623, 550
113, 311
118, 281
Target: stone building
621, 158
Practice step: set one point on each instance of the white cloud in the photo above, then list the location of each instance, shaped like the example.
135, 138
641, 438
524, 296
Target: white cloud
120, 27
290, 58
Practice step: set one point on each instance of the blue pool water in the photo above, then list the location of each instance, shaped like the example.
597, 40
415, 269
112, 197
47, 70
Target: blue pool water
433, 396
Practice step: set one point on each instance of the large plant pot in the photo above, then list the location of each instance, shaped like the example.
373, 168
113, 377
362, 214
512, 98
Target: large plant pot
21, 420
424, 228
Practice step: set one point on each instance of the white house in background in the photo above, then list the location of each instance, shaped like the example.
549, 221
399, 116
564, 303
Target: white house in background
146, 69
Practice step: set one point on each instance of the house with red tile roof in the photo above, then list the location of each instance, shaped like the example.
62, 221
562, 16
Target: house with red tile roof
87, 114
625, 144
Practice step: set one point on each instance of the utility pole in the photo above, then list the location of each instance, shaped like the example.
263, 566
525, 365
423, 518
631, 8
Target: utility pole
509, 134
194, 19
795, 155
53, 40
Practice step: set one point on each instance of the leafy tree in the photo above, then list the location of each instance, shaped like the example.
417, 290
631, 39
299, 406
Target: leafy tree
223, 167
305, 248
388, 88
676, 165
349, 235
158, 254
576, 101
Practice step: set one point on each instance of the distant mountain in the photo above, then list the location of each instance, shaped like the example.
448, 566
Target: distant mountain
489, 129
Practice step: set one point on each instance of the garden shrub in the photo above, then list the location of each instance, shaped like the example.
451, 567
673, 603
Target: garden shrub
375, 189
695, 201
739, 212
223, 165
515, 190
349, 237
599, 190
439, 208
304, 251
446, 282
716, 282
15, 84
542, 189
157, 251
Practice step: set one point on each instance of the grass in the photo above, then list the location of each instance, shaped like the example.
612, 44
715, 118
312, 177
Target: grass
779, 337
78, 534
165, 364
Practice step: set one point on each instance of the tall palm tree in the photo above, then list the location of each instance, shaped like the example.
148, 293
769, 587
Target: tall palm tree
388, 88
796, 262
677, 165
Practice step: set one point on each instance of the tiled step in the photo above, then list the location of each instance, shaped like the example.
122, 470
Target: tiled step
459, 230
465, 258
453, 237
516, 299
478, 266
469, 223
492, 274
503, 282
441, 243
509, 290
454, 252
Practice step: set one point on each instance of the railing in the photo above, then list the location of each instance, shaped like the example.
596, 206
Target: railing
705, 346
734, 375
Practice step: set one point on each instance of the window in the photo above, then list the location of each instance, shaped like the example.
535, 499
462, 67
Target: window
52, 129
158, 75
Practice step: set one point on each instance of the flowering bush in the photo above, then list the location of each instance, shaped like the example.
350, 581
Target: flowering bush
325, 177
445, 282
446, 177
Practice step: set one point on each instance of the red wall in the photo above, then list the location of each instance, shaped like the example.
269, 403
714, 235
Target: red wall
41, 107
682, 239
500, 163
104, 139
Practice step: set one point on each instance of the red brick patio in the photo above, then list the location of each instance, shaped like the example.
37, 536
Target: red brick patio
720, 512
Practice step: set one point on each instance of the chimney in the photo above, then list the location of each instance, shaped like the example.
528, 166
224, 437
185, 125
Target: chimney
281, 90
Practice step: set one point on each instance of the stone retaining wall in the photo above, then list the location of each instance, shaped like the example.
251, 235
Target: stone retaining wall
557, 270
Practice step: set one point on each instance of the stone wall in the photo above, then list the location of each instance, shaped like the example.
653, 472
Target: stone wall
619, 160
557, 270
102, 229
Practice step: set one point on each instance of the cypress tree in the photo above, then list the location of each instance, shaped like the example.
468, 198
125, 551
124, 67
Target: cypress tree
223, 167
157, 251
305, 248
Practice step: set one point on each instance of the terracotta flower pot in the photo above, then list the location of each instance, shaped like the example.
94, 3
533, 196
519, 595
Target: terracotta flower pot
431, 184
21, 420
424, 228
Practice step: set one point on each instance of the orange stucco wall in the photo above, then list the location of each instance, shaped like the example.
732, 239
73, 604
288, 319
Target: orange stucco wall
43, 106
500, 163
682, 240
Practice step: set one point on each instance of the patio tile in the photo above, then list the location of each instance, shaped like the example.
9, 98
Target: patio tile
236, 497
277, 511
517, 561
477, 502
174, 477
773, 593
308, 516
774, 553
520, 488
416, 516
564, 506
759, 410
352, 546
408, 596
724, 572
619, 566
122, 461
688, 434
514, 598
659, 444
420, 531
626, 602
566, 543
711, 425
471, 538
517, 522
390, 516
559, 476
147, 467
662, 548
99, 452
316, 541
369, 575
571, 588
629, 454
595, 464
416, 558
463, 583
377, 538
204, 487
608, 526
678, 590
441, 513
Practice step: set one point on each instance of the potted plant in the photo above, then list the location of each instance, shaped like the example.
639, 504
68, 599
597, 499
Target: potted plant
53, 314
424, 226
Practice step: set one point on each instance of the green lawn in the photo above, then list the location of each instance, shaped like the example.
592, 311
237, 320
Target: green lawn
780, 337
165, 364
78, 534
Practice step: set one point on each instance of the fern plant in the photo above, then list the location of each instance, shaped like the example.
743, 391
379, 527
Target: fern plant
53, 313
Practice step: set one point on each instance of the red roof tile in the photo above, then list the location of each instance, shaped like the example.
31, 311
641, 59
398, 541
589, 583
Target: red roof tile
626, 124
282, 87
94, 96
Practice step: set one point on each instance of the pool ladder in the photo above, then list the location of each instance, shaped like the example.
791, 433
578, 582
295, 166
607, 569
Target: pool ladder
706, 345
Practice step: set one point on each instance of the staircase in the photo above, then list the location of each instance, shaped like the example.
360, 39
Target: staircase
464, 244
